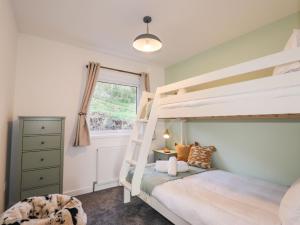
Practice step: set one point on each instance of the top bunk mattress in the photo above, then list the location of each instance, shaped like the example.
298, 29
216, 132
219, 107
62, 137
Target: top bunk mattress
221, 198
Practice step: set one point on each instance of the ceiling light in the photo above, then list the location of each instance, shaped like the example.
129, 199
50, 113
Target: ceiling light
147, 42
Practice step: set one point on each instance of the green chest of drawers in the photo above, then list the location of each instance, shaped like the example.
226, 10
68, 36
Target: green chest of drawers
36, 158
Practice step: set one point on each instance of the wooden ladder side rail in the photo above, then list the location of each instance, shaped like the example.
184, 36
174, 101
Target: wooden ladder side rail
145, 147
129, 152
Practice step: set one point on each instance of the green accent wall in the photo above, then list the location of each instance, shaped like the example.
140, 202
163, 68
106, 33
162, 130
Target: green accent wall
267, 149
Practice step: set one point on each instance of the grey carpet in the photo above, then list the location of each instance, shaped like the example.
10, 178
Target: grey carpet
106, 207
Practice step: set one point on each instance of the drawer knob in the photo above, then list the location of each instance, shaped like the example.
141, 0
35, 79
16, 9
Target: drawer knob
41, 178
42, 142
42, 127
42, 159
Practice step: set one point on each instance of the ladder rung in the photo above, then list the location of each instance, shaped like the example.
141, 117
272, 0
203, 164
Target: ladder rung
142, 121
138, 141
126, 184
131, 162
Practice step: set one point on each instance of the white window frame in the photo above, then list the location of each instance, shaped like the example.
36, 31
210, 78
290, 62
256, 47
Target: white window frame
120, 78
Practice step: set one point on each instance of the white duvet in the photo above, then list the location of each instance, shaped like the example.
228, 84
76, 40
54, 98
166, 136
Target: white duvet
222, 198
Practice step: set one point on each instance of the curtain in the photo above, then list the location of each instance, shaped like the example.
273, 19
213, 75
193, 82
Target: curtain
145, 86
145, 82
82, 137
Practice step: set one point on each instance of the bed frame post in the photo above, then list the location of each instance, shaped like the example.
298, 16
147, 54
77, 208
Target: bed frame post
127, 196
182, 131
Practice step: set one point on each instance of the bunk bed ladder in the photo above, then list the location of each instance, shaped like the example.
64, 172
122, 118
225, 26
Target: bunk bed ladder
139, 141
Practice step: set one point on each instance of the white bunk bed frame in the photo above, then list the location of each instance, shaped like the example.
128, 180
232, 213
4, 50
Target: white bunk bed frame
269, 97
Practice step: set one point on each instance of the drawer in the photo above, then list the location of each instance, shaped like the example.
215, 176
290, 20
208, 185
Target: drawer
32, 160
161, 156
39, 178
41, 142
41, 127
54, 189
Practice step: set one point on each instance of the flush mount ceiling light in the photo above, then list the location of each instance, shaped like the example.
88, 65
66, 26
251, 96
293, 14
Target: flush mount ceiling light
147, 42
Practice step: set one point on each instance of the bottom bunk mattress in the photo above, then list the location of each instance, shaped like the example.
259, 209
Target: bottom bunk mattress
152, 178
221, 198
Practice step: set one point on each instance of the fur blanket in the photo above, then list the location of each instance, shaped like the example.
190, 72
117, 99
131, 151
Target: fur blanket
46, 210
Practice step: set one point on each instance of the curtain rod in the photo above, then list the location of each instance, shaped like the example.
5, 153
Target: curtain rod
118, 70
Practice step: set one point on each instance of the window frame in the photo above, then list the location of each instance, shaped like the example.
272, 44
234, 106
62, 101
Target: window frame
119, 78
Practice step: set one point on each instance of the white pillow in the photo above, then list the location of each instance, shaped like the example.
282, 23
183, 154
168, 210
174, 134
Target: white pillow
289, 210
293, 42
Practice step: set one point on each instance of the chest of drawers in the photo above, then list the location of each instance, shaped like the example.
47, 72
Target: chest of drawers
36, 158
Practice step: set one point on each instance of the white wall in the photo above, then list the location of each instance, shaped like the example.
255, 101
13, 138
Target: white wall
50, 81
8, 44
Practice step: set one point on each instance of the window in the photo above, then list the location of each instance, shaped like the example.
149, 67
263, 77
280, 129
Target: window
114, 103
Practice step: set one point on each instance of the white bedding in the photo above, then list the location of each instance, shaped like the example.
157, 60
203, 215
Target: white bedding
222, 198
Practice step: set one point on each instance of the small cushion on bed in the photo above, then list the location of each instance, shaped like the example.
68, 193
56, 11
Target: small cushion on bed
200, 156
293, 42
289, 211
183, 152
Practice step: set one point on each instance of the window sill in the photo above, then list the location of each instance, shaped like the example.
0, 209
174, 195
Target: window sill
110, 134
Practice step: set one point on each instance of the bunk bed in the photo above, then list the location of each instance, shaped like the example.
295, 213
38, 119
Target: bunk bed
253, 201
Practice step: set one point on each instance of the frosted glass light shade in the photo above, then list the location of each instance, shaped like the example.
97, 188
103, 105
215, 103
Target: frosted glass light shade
147, 43
166, 134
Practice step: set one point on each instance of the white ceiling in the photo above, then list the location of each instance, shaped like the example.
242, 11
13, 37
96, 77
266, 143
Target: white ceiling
186, 27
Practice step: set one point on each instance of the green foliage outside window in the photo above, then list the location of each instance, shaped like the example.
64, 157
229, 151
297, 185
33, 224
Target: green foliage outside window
113, 107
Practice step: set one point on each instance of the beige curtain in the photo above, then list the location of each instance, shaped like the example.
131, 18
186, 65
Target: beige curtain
82, 132
145, 82
145, 86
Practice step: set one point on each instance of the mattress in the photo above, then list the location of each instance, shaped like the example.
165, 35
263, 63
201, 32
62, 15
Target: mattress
221, 198
152, 178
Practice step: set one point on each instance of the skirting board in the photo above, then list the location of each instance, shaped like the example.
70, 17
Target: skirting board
89, 189
155, 204
107, 184
79, 191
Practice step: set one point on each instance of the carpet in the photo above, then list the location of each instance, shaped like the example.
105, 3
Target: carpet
106, 207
